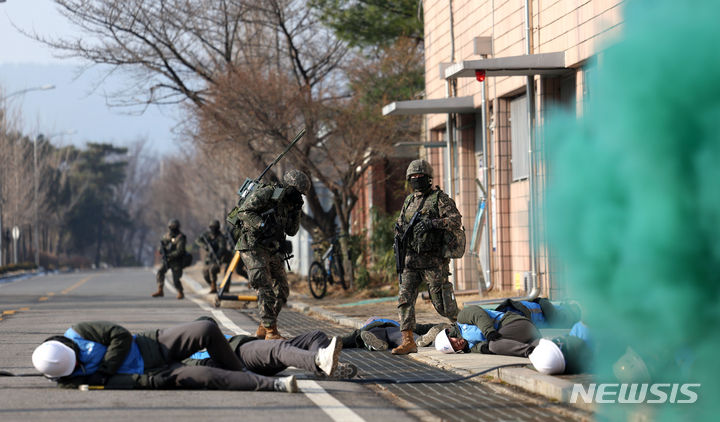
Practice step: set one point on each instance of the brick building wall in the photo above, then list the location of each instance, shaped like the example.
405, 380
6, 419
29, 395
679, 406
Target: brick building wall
579, 28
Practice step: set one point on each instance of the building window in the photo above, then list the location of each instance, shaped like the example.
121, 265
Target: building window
520, 138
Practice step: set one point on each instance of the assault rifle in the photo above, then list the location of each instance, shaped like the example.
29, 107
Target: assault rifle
402, 237
213, 254
163, 252
248, 186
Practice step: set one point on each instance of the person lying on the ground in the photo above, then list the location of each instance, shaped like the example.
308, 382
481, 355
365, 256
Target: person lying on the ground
486, 331
568, 354
270, 357
543, 313
105, 354
381, 334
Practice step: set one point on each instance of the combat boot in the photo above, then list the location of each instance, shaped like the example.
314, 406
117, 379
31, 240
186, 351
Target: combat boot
408, 344
213, 287
159, 292
260, 332
181, 295
271, 333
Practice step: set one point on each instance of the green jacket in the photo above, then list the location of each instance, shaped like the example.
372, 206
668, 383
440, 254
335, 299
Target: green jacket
174, 247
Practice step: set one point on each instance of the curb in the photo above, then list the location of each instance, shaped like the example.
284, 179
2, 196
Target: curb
554, 388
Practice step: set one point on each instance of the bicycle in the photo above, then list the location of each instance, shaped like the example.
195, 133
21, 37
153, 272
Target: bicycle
326, 270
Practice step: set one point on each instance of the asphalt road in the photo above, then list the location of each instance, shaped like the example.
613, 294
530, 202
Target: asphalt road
38, 307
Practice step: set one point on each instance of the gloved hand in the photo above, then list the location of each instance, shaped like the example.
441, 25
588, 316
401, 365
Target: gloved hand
421, 227
493, 335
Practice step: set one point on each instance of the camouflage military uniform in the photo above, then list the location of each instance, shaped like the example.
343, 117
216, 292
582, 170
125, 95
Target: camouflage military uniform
267, 215
424, 260
213, 239
174, 245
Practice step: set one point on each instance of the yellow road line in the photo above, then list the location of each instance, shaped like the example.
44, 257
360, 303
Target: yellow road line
76, 285
24, 309
11, 312
43, 299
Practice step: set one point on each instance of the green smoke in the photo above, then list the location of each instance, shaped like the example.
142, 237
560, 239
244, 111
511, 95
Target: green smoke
634, 200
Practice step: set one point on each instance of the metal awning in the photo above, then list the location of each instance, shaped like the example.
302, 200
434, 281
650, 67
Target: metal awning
437, 106
529, 64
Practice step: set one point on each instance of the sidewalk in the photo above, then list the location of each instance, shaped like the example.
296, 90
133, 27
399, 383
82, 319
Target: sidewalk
353, 313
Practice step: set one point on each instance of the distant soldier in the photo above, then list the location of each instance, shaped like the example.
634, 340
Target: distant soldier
267, 215
215, 245
424, 258
172, 250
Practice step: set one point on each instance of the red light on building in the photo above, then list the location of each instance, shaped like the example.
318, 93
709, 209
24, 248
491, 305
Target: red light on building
480, 75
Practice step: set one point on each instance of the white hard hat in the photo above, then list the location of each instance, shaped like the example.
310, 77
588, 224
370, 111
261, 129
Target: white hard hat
54, 359
547, 358
442, 343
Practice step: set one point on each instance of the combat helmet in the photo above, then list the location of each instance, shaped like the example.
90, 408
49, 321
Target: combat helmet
174, 224
298, 180
419, 167
214, 225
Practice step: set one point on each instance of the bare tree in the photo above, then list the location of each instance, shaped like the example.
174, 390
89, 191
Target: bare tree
252, 73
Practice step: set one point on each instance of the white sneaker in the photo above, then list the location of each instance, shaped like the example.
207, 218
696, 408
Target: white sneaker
286, 384
327, 358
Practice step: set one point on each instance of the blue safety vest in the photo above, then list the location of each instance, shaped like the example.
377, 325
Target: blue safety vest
385, 320
536, 314
203, 354
472, 333
92, 353
581, 331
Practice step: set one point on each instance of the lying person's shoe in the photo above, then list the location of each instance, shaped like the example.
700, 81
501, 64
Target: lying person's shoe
372, 342
286, 384
327, 358
429, 337
343, 371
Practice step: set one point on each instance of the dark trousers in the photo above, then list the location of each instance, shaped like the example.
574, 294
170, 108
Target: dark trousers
518, 339
177, 272
210, 272
179, 342
268, 357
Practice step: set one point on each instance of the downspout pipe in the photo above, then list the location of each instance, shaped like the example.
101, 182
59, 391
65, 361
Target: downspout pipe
450, 131
486, 171
530, 95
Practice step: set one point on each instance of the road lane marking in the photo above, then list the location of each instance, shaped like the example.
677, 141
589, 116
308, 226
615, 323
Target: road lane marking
24, 309
10, 312
329, 404
332, 407
220, 316
43, 298
76, 285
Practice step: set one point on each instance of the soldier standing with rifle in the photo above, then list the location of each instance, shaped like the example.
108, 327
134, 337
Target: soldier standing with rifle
262, 220
172, 249
428, 214
213, 241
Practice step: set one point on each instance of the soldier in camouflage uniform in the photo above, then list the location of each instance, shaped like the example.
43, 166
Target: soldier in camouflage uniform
215, 245
424, 257
173, 246
268, 214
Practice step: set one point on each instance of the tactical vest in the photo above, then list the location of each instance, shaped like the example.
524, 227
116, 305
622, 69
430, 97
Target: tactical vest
450, 243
